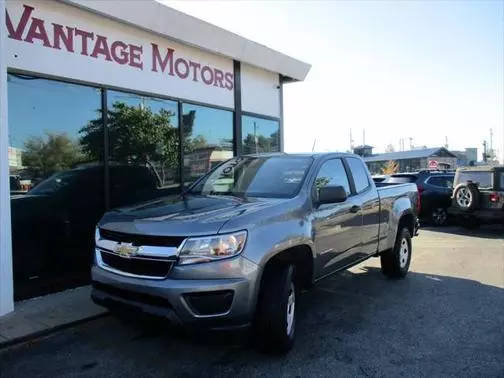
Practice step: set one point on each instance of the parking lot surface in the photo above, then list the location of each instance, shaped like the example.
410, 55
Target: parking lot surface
445, 319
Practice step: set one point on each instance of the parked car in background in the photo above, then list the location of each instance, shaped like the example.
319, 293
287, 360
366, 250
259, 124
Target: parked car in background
239, 245
478, 195
435, 188
53, 223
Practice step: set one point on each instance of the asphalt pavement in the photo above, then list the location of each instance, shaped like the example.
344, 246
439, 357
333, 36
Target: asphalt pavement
445, 319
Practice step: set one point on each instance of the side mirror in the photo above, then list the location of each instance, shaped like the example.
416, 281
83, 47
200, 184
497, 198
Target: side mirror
332, 194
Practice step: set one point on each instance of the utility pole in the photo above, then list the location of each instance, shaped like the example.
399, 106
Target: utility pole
363, 137
485, 156
446, 142
351, 141
410, 143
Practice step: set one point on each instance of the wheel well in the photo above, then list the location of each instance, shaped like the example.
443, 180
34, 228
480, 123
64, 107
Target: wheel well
408, 221
301, 257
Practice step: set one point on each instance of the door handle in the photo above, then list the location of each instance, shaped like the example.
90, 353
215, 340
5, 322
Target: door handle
355, 209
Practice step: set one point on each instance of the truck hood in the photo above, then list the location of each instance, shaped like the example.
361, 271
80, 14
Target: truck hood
182, 216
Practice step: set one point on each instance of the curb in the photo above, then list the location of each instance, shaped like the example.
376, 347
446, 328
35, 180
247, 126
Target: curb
48, 331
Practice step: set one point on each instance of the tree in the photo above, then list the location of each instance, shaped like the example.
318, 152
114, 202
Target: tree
390, 167
137, 136
260, 143
44, 156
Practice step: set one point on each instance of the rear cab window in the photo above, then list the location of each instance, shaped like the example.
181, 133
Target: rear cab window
359, 174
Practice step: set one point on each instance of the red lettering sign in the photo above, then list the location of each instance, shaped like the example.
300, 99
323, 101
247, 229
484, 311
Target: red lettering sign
89, 43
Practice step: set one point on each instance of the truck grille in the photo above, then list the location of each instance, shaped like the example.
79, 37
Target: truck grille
146, 267
138, 240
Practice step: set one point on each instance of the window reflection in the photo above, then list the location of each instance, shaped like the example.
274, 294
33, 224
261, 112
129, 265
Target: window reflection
260, 135
144, 147
56, 182
208, 139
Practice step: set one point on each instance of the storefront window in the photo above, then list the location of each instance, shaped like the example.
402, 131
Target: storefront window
260, 135
144, 148
57, 186
208, 139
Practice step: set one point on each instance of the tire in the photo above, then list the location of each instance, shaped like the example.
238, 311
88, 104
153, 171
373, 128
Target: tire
466, 197
396, 261
276, 312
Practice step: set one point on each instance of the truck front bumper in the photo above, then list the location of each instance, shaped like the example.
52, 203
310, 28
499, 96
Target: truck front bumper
188, 297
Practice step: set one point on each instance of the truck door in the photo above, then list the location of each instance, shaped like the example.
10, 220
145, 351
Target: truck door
366, 193
336, 226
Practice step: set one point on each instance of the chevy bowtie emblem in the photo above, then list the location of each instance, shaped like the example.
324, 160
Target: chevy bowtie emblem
126, 250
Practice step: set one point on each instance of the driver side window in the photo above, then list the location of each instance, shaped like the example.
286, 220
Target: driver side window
332, 173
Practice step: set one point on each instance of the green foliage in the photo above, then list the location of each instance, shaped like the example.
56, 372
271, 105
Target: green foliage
321, 182
52, 153
264, 144
136, 134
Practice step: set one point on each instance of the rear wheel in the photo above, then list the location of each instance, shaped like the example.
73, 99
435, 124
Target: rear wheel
396, 261
439, 216
276, 315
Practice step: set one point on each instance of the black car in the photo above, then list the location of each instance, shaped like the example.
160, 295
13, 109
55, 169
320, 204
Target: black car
435, 188
53, 223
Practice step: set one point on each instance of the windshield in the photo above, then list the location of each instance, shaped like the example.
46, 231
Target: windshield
267, 176
56, 183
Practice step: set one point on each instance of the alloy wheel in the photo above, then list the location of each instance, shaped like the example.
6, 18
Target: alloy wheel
464, 197
403, 253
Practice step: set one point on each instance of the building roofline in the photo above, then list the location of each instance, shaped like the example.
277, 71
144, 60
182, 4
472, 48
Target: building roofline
170, 23
409, 154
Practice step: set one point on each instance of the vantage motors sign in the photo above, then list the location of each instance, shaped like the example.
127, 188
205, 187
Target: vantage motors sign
51, 38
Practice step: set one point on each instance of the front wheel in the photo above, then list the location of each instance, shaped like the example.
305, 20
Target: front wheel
276, 315
396, 261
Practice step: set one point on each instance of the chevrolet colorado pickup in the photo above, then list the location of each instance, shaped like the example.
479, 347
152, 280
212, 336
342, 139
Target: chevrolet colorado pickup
235, 249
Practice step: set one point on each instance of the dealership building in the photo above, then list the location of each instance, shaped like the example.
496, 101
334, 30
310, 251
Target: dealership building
111, 103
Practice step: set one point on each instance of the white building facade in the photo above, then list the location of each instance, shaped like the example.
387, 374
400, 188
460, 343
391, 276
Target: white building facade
110, 103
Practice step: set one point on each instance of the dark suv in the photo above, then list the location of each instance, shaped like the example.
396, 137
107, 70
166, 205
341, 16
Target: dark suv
478, 195
435, 188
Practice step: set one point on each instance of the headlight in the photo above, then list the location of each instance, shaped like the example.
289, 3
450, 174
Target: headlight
209, 248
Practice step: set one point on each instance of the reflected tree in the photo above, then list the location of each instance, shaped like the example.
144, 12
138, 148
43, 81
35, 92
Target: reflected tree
137, 135
54, 152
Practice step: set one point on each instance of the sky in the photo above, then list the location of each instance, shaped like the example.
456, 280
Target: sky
426, 70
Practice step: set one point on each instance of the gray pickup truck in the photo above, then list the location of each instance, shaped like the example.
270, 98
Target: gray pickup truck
235, 249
